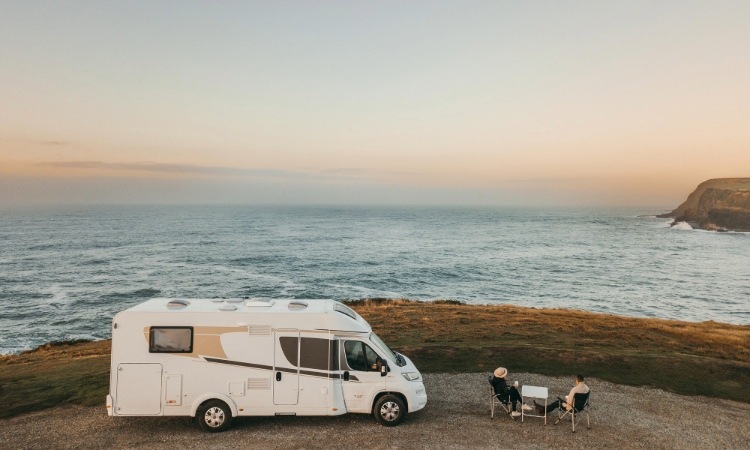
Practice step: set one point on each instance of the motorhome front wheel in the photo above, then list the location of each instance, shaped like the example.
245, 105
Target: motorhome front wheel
214, 416
389, 410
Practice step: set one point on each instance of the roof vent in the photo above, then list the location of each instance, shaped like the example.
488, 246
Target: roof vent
297, 305
345, 310
259, 302
227, 308
177, 304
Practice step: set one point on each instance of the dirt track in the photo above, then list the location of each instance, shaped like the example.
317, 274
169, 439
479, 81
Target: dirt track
457, 416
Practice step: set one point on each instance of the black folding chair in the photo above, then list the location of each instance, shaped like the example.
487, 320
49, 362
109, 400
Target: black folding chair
502, 400
581, 406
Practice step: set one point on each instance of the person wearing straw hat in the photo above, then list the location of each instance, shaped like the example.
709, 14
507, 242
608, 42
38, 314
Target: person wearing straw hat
500, 386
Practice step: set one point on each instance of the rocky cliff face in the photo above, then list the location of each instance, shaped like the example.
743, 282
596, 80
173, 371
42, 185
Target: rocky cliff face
720, 204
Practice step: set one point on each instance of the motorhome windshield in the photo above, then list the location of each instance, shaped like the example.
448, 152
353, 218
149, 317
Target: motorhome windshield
385, 349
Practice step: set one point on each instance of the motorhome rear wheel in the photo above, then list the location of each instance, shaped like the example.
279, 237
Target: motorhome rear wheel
214, 416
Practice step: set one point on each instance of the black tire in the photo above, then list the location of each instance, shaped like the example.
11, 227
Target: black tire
389, 410
214, 416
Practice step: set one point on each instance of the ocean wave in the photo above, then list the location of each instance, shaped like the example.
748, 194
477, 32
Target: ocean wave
682, 226
144, 293
58, 295
36, 247
95, 262
252, 260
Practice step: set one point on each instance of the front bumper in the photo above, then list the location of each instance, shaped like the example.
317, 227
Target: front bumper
417, 397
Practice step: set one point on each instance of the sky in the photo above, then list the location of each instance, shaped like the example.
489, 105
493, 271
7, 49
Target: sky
352, 102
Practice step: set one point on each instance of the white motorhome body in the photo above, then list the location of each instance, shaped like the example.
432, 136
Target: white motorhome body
221, 358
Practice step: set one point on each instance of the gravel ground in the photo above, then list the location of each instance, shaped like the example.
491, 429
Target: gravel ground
456, 416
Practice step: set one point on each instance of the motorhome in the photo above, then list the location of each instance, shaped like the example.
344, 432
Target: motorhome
215, 359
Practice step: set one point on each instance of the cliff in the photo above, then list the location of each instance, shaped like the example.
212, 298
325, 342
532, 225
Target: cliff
721, 204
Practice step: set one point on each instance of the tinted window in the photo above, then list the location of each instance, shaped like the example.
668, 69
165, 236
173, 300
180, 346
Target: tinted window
171, 340
290, 347
371, 357
360, 356
314, 353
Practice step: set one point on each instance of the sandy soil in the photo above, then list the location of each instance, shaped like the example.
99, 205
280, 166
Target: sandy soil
457, 416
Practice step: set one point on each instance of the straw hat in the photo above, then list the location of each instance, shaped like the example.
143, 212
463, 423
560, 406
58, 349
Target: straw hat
500, 372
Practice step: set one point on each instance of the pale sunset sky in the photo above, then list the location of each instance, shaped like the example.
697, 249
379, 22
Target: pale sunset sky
351, 102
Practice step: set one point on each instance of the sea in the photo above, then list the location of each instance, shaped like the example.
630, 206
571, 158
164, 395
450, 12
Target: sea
66, 270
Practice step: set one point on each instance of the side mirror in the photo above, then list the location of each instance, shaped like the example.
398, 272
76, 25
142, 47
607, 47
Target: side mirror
383, 368
346, 376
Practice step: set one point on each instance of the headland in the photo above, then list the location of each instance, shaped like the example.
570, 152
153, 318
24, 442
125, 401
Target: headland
721, 204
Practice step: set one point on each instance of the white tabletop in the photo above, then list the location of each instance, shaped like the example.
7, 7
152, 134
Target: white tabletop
534, 391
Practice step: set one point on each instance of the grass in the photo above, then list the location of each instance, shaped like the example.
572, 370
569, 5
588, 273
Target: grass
708, 358
55, 374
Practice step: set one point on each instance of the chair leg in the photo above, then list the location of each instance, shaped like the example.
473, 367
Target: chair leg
561, 416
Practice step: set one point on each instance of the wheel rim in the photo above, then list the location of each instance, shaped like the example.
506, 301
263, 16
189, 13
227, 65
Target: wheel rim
390, 411
214, 417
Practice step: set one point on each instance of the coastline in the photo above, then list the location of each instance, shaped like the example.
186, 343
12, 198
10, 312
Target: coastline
707, 358
366, 301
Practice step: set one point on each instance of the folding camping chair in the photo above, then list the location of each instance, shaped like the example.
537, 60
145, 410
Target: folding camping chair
499, 399
580, 406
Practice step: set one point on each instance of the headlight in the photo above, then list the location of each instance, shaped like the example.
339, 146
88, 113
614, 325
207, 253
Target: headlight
410, 376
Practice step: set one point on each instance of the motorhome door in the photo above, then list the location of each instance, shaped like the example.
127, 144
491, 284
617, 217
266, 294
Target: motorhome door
362, 377
286, 367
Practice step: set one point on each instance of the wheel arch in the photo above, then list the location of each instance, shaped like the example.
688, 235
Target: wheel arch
396, 393
213, 396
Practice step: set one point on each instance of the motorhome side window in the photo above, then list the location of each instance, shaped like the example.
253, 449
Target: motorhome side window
171, 340
360, 356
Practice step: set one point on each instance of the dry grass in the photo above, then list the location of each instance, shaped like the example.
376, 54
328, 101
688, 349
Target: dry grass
706, 358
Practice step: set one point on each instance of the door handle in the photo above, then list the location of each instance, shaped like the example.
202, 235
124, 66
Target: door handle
278, 376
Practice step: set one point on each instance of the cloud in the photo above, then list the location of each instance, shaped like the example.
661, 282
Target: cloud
351, 171
544, 181
361, 172
176, 169
53, 143
43, 142
341, 174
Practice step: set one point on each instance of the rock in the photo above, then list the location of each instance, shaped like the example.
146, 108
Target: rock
721, 204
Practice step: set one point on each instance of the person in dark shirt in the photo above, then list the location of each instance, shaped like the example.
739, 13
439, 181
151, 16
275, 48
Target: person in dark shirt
504, 392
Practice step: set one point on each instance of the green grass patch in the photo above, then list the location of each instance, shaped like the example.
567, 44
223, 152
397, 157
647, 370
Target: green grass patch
75, 373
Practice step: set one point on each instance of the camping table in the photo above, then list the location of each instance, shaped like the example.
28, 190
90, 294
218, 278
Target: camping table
534, 392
